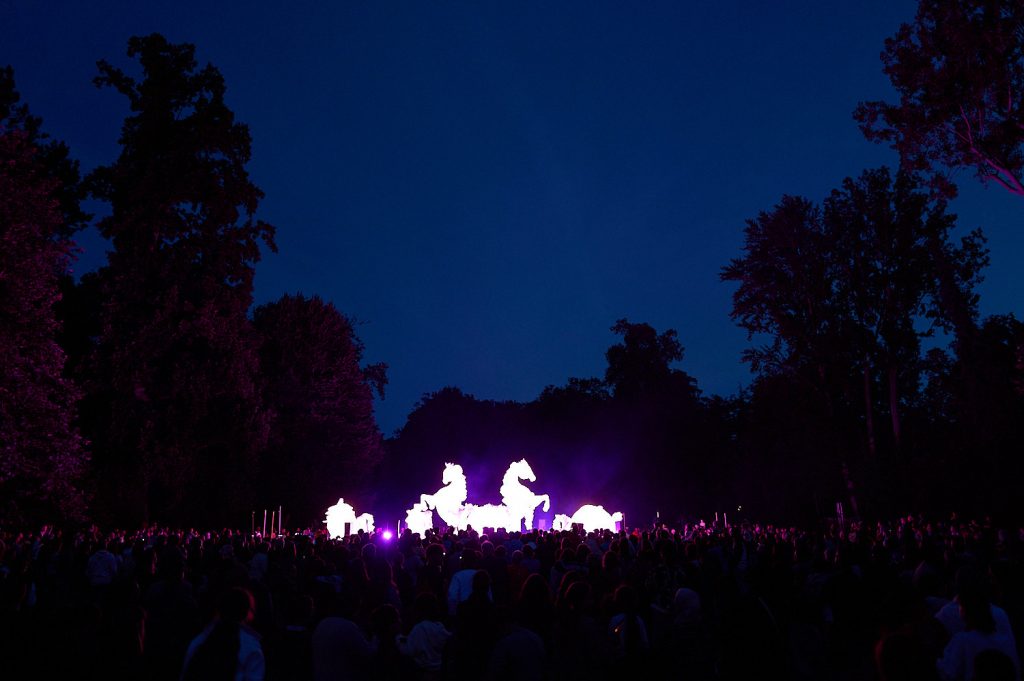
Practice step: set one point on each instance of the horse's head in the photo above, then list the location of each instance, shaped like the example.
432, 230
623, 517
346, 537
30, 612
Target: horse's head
523, 470
452, 472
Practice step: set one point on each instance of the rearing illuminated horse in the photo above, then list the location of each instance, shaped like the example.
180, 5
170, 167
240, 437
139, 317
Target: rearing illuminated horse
448, 501
521, 502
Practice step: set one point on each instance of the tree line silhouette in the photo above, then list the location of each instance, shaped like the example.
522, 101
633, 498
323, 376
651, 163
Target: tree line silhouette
150, 390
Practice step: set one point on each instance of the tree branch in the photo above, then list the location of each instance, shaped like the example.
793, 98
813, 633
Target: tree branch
1010, 183
967, 122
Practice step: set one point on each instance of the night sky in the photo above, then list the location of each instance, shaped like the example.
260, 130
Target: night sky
487, 187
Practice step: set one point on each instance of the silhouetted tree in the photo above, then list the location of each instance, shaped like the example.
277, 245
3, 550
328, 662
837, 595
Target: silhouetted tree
52, 156
785, 294
977, 445
959, 72
174, 407
844, 294
642, 363
883, 234
42, 456
324, 442
652, 445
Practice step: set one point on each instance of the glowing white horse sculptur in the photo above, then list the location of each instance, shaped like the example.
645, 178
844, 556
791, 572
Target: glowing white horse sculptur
342, 513
448, 501
518, 502
592, 518
517, 507
419, 518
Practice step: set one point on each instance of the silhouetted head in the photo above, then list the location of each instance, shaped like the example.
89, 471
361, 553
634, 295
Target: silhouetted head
427, 607
976, 611
535, 592
385, 622
626, 600
481, 583
237, 605
470, 559
576, 597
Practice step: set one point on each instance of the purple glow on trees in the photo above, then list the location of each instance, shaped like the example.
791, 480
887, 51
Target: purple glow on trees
42, 456
323, 437
175, 407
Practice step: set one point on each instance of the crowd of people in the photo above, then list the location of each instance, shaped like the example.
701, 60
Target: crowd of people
908, 599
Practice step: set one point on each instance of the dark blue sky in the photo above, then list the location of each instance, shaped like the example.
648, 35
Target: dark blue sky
487, 187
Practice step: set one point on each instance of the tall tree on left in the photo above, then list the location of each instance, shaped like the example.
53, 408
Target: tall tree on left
42, 455
174, 409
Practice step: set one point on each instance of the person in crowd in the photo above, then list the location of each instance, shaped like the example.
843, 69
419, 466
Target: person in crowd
228, 648
980, 633
426, 642
461, 586
341, 651
699, 602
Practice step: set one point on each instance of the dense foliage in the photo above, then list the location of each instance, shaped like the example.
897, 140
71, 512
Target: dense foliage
959, 72
323, 437
42, 457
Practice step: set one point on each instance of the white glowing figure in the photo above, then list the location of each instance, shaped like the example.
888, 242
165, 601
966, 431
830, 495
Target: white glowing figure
519, 499
561, 522
518, 502
592, 518
419, 519
364, 522
449, 500
342, 513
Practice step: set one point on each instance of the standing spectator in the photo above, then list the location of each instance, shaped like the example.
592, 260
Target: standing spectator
228, 648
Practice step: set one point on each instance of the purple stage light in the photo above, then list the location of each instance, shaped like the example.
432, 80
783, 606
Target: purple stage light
387, 535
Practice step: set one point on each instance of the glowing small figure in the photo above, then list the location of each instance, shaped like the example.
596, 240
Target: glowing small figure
561, 522
342, 513
592, 518
419, 519
364, 522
